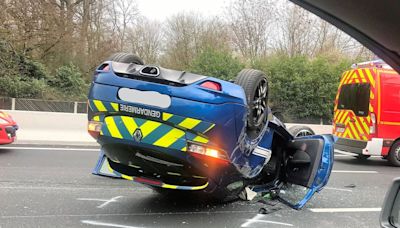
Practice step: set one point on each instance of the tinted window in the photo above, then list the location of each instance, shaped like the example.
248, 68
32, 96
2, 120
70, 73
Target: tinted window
355, 97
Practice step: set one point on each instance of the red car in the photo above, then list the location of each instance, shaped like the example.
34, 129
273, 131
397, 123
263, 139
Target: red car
8, 128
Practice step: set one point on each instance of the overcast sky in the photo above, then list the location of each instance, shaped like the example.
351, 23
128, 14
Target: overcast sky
161, 9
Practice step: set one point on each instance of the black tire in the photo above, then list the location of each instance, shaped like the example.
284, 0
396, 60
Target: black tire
394, 154
363, 156
300, 131
125, 58
255, 86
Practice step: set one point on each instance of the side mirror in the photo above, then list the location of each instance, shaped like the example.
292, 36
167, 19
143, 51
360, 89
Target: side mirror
390, 215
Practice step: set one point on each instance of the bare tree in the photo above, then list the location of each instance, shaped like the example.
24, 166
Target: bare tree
187, 34
250, 22
145, 39
302, 33
123, 14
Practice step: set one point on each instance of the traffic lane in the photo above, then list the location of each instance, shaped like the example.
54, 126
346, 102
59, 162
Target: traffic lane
370, 164
57, 200
54, 168
143, 208
51, 166
150, 210
218, 219
347, 188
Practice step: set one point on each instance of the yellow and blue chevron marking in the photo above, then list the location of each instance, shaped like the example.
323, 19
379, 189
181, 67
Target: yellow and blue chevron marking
188, 123
157, 183
102, 106
153, 133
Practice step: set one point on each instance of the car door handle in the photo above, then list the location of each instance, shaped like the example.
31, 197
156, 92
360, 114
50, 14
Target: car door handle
352, 120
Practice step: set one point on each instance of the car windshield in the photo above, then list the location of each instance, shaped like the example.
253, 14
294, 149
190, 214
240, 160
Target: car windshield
200, 113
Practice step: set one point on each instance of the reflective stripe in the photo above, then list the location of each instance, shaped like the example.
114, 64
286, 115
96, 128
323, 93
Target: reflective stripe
166, 116
99, 105
343, 117
115, 106
189, 123
354, 131
169, 186
112, 127
200, 139
129, 123
183, 122
169, 138
126, 177
370, 78
148, 127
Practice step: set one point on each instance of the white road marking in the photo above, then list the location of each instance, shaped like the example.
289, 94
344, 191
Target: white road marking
95, 223
344, 153
339, 189
106, 202
257, 219
345, 210
353, 171
48, 148
341, 155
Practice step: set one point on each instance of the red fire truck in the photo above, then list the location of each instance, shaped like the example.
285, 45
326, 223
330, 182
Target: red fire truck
367, 111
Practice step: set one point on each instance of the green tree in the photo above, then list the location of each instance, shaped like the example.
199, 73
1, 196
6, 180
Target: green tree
19, 75
303, 88
216, 63
68, 80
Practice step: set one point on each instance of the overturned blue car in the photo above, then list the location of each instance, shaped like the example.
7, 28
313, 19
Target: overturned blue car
178, 131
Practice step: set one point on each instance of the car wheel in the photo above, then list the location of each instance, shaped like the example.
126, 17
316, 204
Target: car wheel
255, 86
126, 58
394, 154
300, 131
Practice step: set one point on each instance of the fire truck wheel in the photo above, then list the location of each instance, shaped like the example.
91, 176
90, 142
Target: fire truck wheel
394, 154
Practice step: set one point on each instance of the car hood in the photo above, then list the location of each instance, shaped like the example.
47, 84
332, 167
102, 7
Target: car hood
373, 23
6, 117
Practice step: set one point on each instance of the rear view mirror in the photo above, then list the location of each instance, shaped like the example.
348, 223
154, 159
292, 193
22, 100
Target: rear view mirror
390, 215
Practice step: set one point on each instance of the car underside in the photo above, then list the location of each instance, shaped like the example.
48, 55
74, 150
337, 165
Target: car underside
171, 129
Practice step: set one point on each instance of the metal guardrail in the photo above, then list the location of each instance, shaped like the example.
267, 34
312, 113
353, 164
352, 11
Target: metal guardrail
81, 107
24, 104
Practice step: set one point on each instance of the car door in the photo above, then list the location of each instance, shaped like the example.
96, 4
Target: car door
307, 170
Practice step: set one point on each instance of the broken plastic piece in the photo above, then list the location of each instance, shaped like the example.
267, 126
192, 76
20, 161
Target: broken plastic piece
247, 194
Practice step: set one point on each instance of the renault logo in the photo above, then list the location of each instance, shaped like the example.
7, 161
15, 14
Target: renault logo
137, 135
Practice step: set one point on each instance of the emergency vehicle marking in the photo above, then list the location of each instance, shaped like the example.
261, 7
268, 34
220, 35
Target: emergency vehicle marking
175, 120
356, 127
156, 183
153, 133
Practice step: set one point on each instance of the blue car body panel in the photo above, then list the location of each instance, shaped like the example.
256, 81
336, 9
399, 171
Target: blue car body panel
218, 120
324, 169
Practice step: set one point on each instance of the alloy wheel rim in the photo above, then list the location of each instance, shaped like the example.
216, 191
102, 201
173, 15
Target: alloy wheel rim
303, 133
260, 102
397, 153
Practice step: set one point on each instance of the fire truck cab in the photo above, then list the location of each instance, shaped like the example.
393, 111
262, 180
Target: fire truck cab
367, 111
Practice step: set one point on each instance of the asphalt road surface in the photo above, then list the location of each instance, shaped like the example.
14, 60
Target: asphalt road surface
54, 187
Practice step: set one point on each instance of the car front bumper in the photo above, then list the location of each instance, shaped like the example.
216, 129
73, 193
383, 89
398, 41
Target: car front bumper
8, 133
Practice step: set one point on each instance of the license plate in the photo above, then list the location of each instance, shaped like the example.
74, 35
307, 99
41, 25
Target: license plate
340, 129
151, 98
